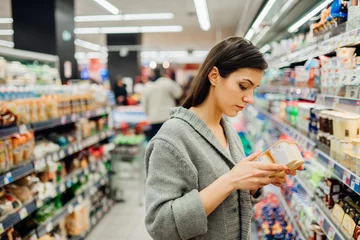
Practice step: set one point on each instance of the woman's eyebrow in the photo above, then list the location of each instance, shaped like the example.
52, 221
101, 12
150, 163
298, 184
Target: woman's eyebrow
249, 81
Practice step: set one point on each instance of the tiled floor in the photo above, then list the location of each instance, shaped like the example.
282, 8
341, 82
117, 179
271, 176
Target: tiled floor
125, 221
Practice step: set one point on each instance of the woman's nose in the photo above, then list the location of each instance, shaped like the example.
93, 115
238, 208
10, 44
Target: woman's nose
249, 99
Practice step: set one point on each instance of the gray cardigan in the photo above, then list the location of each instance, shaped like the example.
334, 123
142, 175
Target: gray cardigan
184, 158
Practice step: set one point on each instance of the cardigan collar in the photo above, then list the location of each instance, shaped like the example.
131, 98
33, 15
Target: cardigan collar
200, 126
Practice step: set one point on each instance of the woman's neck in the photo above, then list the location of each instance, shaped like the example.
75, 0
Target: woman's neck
208, 112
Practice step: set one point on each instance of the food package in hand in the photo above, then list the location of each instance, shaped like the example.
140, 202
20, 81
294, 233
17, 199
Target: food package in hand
283, 152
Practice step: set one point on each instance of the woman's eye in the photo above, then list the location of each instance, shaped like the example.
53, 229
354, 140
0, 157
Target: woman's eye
242, 87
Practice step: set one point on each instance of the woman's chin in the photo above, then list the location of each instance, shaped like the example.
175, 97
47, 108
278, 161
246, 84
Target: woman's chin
232, 113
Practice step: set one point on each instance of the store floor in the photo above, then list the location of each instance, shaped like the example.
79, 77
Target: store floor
125, 221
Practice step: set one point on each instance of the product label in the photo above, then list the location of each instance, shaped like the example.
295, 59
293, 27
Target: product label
1, 228
23, 213
346, 177
331, 233
8, 178
49, 227
338, 213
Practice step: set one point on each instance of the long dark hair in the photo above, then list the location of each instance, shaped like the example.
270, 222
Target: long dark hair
228, 56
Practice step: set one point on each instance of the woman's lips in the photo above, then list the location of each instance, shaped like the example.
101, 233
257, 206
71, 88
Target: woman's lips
240, 107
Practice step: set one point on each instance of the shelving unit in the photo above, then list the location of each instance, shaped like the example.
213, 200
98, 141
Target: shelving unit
339, 103
298, 92
323, 47
305, 143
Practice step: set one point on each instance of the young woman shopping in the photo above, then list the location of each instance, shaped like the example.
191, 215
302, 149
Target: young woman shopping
199, 184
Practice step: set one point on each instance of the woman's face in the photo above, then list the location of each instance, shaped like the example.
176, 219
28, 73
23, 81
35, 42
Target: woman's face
233, 93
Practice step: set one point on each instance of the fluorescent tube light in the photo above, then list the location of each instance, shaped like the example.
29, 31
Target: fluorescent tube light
87, 30
312, 13
89, 45
124, 17
263, 14
151, 29
202, 14
148, 16
6, 20
6, 43
249, 34
6, 32
136, 29
284, 8
265, 48
261, 34
108, 6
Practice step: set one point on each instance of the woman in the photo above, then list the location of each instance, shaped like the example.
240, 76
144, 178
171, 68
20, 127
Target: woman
199, 184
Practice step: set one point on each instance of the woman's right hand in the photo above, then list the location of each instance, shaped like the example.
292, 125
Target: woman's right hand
252, 175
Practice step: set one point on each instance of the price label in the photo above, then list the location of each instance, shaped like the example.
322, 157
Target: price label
39, 203
80, 198
331, 234
63, 120
74, 117
55, 157
49, 227
1, 228
33, 237
82, 179
62, 187
346, 177
357, 183
23, 213
49, 158
93, 221
8, 178
70, 209
74, 179
321, 223
69, 183
62, 154
352, 184
23, 129
331, 166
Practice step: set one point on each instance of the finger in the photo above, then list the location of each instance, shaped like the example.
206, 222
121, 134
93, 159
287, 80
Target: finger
270, 166
252, 157
277, 184
300, 168
281, 180
265, 173
291, 172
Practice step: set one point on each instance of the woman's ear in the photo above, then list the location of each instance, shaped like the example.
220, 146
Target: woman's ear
214, 76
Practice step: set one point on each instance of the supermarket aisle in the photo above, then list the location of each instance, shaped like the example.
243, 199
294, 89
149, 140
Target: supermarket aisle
125, 221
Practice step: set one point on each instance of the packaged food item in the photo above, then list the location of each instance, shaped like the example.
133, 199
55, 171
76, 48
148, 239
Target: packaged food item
283, 152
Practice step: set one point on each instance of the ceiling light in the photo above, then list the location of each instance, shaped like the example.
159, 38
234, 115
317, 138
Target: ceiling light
263, 14
148, 16
7, 32
124, 17
119, 30
136, 29
6, 43
6, 20
166, 64
249, 34
108, 6
261, 34
89, 45
283, 9
202, 14
152, 65
265, 48
87, 30
98, 18
150, 29
309, 15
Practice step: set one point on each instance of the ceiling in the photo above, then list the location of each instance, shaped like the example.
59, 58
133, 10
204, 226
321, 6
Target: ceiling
225, 17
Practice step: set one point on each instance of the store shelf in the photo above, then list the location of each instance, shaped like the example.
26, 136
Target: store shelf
28, 55
69, 181
69, 119
350, 38
40, 164
49, 225
10, 131
289, 213
331, 229
299, 92
339, 103
305, 189
339, 171
304, 142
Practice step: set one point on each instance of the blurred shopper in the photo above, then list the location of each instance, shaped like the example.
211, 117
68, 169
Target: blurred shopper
158, 97
139, 87
199, 183
120, 91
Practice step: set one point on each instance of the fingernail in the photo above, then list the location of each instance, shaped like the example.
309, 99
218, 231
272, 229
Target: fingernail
287, 171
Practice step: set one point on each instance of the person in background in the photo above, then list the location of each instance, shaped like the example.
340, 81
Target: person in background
120, 91
157, 98
139, 87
